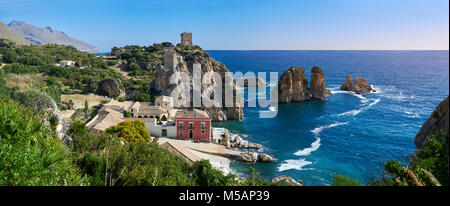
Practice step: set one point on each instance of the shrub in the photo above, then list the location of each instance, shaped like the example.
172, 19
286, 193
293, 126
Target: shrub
340, 180
127, 114
9, 56
30, 154
131, 131
122, 99
206, 175
112, 63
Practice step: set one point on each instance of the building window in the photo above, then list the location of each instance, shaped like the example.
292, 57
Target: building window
181, 125
181, 134
203, 125
191, 125
203, 131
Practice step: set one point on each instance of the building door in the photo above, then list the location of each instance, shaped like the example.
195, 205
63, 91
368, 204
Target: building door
191, 135
164, 132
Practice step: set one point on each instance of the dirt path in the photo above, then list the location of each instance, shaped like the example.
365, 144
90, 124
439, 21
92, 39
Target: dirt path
121, 68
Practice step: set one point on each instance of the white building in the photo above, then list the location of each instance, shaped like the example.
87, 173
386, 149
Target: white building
64, 63
165, 129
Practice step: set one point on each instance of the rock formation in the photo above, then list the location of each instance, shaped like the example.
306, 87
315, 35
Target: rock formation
108, 87
161, 83
438, 120
293, 86
41, 104
253, 157
347, 85
265, 158
239, 143
318, 86
226, 141
288, 180
359, 85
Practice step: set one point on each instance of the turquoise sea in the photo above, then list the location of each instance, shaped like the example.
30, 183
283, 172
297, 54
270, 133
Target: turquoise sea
347, 134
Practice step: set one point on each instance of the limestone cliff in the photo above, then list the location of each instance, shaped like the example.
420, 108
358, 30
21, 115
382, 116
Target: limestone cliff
189, 56
438, 120
318, 86
359, 85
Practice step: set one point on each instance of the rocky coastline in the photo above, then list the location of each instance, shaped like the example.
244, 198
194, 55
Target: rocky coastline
438, 120
235, 142
161, 83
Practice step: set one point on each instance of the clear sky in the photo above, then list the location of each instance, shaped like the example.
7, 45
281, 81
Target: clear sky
244, 24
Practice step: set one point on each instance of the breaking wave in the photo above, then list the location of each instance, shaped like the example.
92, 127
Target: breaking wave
357, 111
316, 144
363, 99
294, 164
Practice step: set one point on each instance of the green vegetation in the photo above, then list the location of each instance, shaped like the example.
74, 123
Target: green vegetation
33, 59
31, 154
127, 114
340, 180
121, 99
429, 167
131, 131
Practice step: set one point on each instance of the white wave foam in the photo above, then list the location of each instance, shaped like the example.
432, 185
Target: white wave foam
340, 92
408, 112
357, 111
316, 144
294, 164
317, 130
377, 89
363, 99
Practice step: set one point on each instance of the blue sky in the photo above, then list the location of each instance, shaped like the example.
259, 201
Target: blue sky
244, 24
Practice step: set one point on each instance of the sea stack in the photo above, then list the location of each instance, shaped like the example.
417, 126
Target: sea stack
318, 86
293, 86
359, 85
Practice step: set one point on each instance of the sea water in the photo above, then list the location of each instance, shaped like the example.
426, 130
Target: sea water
347, 134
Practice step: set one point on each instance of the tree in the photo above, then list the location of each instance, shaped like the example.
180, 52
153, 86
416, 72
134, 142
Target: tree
86, 108
133, 67
131, 131
9, 56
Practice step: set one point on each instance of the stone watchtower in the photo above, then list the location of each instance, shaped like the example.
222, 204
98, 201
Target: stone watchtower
186, 39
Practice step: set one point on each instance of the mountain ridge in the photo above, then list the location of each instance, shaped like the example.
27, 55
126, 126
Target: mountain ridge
6, 33
48, 35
